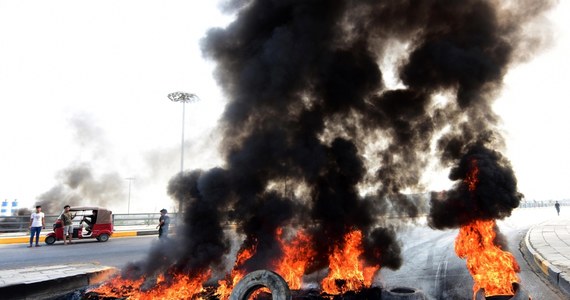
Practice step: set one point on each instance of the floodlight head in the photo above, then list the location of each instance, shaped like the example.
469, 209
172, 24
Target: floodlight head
183, 97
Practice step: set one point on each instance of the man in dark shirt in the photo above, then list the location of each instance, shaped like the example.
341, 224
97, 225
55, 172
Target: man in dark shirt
557, 206
164, 222
90, 221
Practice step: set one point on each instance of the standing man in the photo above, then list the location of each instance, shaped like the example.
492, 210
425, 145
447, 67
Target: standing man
67, 219
37, 222
163, 223
557, 206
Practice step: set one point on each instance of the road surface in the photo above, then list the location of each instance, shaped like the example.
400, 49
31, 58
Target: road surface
116, 252
430, 262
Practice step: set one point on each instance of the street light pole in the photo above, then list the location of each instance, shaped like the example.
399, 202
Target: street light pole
182, 140
184, 98
130, 179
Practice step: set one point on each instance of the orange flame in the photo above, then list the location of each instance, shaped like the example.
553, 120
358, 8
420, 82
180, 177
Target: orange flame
492, 269
226, 285
119, 287
297, 255
472, 178
181, 287
346, 267
257, 293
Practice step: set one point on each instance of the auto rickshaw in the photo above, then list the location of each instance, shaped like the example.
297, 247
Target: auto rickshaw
88, 222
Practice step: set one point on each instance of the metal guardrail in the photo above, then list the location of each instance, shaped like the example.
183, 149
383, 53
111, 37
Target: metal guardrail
548, 203
21, 223
140, 219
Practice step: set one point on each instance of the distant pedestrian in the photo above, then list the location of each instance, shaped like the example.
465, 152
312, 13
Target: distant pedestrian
67, 219
557, 206
37, 222
163, 224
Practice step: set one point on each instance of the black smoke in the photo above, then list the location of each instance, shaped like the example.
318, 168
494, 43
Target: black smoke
314, 139
494, 196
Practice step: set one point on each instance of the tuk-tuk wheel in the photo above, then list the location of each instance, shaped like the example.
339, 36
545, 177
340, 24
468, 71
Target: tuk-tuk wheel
50, 240
103, 238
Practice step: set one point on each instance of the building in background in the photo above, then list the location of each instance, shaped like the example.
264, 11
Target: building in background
4, 211
15, 207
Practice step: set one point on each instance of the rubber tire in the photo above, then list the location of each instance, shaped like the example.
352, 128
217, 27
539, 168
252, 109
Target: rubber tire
402, 293
520, 294
261, 278
103, 238
50, 240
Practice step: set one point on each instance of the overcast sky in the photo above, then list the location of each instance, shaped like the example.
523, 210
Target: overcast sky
86, 83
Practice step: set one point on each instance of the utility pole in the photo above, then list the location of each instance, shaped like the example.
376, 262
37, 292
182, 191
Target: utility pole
130, 179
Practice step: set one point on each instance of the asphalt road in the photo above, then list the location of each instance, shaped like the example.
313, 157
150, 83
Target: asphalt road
430, 262
116, 252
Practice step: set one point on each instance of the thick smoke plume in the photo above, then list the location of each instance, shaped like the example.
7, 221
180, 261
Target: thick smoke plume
79, 186
95, 177
81, 183
494, 197
314, 139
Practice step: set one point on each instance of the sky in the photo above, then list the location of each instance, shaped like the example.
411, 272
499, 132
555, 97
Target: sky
86, 83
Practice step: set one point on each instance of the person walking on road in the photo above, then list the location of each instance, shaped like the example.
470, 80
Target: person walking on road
37, 222
67, 219
163, 223
557, 206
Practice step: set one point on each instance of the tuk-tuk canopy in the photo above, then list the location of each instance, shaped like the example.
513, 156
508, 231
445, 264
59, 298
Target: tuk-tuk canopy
103, 215
78, 208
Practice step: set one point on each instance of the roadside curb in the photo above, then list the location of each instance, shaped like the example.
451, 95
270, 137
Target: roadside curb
51, 288
116, 234
554, 275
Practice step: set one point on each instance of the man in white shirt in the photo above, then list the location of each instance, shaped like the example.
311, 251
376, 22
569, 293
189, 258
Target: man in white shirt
37, 222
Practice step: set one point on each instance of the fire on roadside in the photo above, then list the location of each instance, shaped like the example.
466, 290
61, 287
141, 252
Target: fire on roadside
346, 267
181, 286
297, 255
347, 272
492, 269
226, 285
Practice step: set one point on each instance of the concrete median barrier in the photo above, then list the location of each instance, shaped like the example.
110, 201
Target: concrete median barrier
22, 239
47, 282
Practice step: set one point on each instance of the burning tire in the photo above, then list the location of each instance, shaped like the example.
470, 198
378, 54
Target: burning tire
402, 293
103, 238
520, 294
258, 279
50, 240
